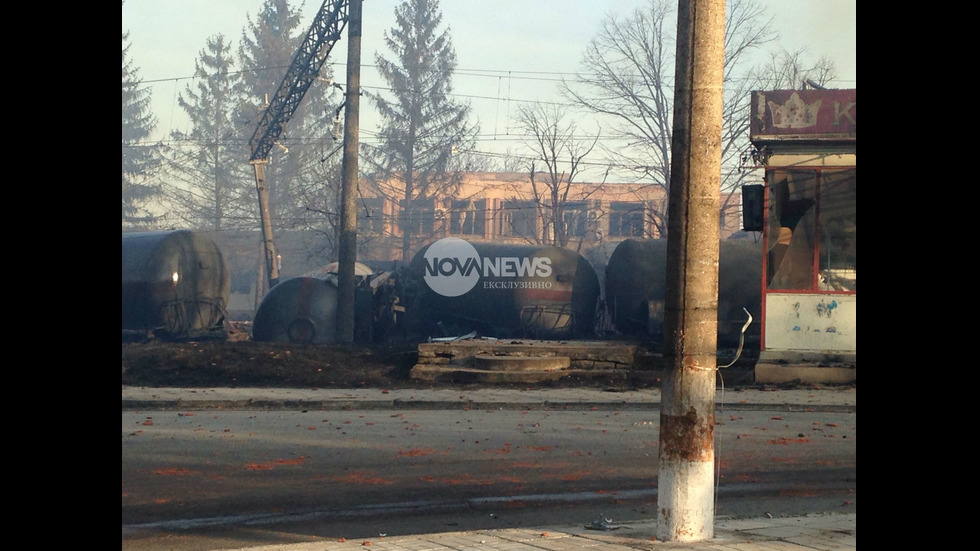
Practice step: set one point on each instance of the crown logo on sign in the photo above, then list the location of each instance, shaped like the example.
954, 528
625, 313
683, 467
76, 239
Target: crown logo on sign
794, 113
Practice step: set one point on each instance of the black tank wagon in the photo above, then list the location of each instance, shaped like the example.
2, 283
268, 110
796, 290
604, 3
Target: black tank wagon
174, 283
635, 288
303, 310
298, 310
501, 290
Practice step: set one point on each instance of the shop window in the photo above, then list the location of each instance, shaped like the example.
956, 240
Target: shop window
837, 221
811, 231
792, 220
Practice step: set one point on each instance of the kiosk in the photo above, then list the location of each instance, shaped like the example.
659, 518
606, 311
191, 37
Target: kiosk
806, 210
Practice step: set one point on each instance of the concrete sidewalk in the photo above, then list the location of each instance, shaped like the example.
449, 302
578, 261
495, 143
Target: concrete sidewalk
837, 532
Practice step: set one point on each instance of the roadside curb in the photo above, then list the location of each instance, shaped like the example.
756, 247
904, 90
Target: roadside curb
374, 405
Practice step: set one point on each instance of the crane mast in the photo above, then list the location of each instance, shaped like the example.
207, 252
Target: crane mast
319, 41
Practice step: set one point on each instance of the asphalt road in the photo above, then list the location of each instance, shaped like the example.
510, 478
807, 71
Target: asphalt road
210, 478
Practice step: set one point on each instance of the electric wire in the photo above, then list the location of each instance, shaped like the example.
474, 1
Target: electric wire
721, 381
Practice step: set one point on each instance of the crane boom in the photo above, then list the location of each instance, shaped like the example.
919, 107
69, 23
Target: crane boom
306, 64
323, 34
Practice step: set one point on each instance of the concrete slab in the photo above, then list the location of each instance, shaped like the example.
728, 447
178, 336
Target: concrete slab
461, 374
520, 363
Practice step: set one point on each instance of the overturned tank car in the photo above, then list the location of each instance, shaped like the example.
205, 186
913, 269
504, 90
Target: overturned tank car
303, 310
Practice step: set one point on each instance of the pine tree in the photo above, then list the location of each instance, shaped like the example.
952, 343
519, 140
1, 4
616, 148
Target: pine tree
210, 161
268, 46
421, 125
138, 158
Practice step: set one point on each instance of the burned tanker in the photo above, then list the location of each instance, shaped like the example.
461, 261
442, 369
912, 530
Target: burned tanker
504, 291
303, 310
636, 288
174, 284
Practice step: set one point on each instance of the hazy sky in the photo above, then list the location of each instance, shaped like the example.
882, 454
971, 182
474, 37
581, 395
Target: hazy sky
507, 50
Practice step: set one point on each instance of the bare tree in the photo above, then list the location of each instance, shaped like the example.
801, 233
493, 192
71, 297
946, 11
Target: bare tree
791, 71
553, 142
628, 77
511, 162
318, 187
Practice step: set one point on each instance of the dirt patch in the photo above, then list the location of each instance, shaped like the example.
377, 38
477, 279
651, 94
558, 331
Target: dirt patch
232, 359
252, 364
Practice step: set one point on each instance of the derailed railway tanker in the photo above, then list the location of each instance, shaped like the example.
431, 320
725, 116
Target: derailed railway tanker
174, 284
457, 288
636, 288
303, 310
500, 290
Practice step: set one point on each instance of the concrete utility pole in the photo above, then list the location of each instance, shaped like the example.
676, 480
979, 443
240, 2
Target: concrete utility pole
271, 258
347, 253
685, 493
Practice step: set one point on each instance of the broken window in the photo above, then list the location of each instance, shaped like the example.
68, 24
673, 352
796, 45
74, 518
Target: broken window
626, 219
518, 219
575, 216
468, 217
811, 230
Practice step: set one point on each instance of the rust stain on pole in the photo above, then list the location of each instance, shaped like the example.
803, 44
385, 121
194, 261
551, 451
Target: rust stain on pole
687, 437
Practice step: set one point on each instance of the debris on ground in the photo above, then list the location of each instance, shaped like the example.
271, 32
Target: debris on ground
603, 523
